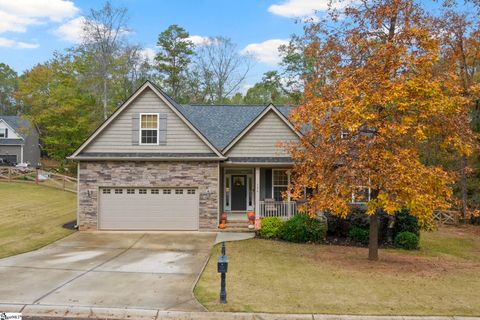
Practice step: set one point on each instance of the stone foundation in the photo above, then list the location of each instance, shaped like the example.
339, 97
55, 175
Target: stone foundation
96, 174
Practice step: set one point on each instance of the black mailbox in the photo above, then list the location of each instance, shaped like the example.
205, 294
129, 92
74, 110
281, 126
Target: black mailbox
222, 265
222, 268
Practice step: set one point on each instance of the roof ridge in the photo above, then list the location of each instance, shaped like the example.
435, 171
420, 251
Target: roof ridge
233, 105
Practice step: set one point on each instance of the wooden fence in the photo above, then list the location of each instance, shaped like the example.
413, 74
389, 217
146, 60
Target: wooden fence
447, 216
39, 177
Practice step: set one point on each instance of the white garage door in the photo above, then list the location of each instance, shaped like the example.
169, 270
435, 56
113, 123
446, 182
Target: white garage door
148, 209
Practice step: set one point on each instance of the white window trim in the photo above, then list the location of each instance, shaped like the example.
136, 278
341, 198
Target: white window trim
361, 202
140, 129
4, 131
278, 185
228, 177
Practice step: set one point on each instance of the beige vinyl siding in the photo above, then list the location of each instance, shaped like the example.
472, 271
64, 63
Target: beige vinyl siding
262, 140
117, 136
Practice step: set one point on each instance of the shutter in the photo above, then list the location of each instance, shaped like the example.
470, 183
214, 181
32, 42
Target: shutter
6, 132
162, 128
268, 184
135, 128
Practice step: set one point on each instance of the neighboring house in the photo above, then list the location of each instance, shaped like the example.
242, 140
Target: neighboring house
18, 141
158, 165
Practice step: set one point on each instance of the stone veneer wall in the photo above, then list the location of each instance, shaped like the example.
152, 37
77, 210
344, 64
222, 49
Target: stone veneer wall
95, 174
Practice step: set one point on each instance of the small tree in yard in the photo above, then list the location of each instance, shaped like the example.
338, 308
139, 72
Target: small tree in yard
376, 97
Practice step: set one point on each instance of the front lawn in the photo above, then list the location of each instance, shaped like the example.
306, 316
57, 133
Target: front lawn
442, 278
32, 216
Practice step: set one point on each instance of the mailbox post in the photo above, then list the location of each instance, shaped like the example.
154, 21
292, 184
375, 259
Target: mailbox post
222, 268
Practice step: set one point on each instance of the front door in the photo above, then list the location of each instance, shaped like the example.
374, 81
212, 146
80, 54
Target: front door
239, 193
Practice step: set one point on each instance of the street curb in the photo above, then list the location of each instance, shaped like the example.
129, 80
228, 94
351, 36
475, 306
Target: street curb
69, 312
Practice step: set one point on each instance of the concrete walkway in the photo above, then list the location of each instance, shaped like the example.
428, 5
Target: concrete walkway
233, 236
112, 270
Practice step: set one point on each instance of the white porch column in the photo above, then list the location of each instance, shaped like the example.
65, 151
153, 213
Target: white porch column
257, 192
289, 207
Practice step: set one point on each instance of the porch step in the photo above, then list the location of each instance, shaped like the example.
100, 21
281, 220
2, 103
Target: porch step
227, 229
237, 226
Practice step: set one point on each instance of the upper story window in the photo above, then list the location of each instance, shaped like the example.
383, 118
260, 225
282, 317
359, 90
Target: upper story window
3, 133
149, 128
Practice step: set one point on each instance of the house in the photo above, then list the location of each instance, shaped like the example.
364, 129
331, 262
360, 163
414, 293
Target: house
158, 165
18, 141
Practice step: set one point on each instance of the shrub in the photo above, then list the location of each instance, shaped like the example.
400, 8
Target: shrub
405, 222
359, 235
270, 227
303, 228
407, 240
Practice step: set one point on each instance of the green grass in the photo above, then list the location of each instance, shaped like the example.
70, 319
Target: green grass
442, 278
32, 216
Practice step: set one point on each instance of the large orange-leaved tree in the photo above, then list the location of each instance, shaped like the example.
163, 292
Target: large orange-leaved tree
376, 97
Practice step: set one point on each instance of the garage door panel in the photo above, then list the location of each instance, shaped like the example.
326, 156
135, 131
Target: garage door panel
150, 211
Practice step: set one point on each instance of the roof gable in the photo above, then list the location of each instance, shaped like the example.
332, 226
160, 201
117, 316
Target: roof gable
192, 133
277, 129
18, 125
223, 123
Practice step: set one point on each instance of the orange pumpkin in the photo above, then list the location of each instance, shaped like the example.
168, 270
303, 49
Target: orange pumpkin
223, 217
221, 226
251, 215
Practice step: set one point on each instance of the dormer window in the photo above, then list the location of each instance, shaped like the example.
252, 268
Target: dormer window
3, 133
149, 128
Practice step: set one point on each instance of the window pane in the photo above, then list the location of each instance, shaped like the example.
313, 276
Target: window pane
280, 177
361, 194
149, 121
149, 136
277, 193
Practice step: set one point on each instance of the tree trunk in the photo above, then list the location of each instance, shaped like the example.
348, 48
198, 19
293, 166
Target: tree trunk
105, 111
373, 240
463, 183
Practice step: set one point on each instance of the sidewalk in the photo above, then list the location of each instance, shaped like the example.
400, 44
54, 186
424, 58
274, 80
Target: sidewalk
51, 312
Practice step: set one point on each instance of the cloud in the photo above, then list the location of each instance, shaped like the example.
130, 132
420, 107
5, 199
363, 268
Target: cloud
17, 15
200, 40
9, 43
303, 8
71, 31
148, 54
244, 88
266, 52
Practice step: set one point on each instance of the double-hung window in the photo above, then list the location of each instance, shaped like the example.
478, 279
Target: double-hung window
280, 183
3, 133
360, 195
149, 128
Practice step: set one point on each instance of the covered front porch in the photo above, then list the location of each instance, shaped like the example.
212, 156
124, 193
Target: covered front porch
259, 189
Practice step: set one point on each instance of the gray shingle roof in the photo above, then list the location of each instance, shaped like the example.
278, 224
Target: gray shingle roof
260, 159
11, 141
220, 124
19, 124
146, 155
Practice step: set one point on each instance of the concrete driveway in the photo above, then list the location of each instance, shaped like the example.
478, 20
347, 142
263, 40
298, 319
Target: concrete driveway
151, 271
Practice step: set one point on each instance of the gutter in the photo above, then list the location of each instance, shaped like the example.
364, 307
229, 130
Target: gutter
146, 159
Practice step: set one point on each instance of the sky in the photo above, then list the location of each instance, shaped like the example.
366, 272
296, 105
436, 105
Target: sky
31, 30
